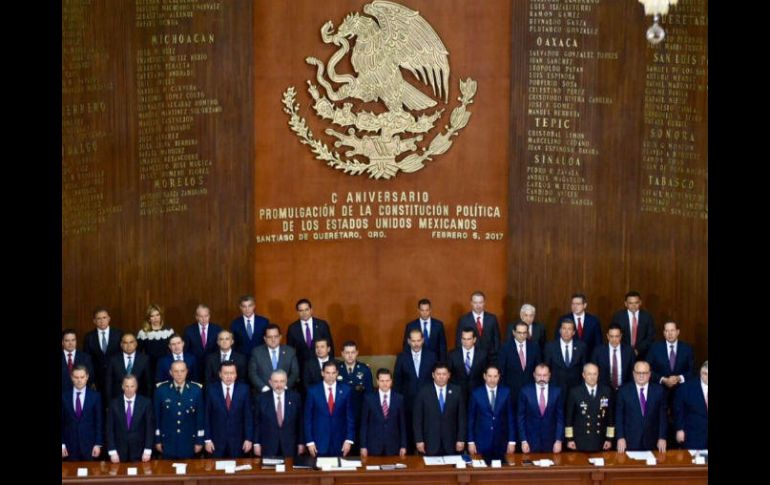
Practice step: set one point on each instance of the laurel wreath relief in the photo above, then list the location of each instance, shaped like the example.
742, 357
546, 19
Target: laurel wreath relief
412, 163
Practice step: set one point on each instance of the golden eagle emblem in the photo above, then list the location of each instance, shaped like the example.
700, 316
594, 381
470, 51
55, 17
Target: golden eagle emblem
393, 38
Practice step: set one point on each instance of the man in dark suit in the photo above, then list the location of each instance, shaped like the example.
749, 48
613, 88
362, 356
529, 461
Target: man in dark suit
278, 426
81, 433
565, 357
272, 356
101, 344
672, 361
691, 412
540, 414
535, 330
411, 373
248, 328
130, 425
383, 422
440, 420
312, 374
432, 330
128, 362
517, 361
226, 352
229, 422
615, 359
71, 357
587, 327
640, 413
590, 416
200, 338
176, 346
302, 333
467, 363
329, 420
359, 378
491, 427
485, 324
637, 325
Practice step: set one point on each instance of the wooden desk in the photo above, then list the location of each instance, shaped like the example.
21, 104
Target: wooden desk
570, 468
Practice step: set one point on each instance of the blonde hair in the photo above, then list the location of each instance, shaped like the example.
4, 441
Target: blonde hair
154, 307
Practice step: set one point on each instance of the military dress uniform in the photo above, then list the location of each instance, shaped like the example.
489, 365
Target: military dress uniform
179, 416
360, 380
590, 421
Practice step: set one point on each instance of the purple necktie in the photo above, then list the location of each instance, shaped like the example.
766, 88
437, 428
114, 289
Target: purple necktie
78, 406
643, 401
129, 416
672, 358
308, 339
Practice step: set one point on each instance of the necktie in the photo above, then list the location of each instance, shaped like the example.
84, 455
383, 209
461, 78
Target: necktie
179, 389
580, 328
672, 358
203, 336
330, 401
104, 341
275, 359
441, 400
643, 401
468, 362
228, 399
542, 401
279, 412
308, 337
129, 416
249, 328
522, 358
78, 405
70, 363
224, 357
634, 327
593, 393
492, 398
425, 329
385, 408
178, 357
416, 364
129, 366
479, 326
615, 383
567, 359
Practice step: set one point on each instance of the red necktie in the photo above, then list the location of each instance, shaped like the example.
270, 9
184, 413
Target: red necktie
635, 326
479, 326
542, 401
69, 363
615, 384
385, 408
580, 328
522, 358
228, 400
331, 401
203, 336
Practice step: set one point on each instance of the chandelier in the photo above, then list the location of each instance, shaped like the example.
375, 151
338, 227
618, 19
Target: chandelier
656, 8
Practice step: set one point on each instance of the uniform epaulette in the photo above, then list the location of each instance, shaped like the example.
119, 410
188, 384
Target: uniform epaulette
197, 384
161, 383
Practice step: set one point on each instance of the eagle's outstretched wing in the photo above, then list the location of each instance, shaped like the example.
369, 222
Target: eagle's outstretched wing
413, 42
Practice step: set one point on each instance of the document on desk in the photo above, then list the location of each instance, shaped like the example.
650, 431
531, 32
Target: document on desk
453, 459
272, 461
224, 464
350, 463
640, 455
698, 452
433, 460
479, 464
327, 462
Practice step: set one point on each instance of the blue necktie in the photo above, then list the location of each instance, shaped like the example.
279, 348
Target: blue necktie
249, 328
425, 330
468, 362
441, 400
275, 359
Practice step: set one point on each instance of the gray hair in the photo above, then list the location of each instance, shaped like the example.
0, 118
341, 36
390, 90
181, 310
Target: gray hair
279, 372
705, 365
527, 308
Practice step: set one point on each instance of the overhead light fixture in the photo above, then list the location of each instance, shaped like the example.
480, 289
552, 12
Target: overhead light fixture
656, 8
